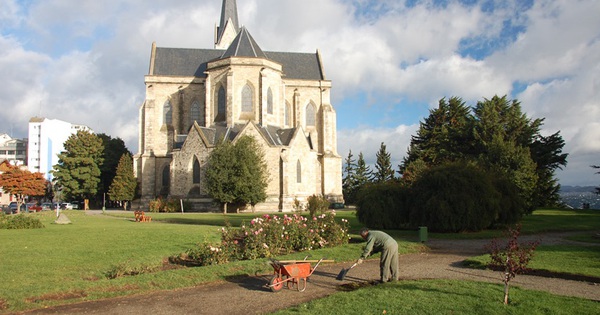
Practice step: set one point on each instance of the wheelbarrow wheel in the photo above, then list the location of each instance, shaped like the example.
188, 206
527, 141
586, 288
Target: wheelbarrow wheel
276, 283
301, 284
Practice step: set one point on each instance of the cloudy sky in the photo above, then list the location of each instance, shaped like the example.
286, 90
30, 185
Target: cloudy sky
390, 61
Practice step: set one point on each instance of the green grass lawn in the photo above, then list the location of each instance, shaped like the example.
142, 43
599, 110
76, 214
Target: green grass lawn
62, 264
443, 297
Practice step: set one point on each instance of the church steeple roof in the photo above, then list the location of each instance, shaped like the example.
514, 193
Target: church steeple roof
244, 46
228, 13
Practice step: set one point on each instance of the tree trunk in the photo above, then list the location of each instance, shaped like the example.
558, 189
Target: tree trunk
506, 281
225, 208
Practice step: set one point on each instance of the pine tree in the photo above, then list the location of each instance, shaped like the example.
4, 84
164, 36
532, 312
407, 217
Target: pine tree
383, 166
349, 179
124, 183
113, 151
363, 172
77, 173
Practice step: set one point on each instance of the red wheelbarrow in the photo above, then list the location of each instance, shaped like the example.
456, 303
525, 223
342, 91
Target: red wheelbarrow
293, 273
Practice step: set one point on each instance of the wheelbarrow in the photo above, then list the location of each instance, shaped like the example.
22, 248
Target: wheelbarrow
292, 273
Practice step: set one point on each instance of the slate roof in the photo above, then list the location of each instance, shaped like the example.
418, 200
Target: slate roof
193, 62
274, 136
244, 46
228, 11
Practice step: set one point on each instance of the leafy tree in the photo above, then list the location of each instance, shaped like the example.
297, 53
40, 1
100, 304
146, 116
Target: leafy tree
383, 165
124, 182
113, 151
22, 183
77, 173
251, 170
349, 180
513, 257
237, 173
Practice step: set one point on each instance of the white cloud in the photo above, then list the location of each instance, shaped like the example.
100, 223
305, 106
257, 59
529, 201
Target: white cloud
85, 61
368, 141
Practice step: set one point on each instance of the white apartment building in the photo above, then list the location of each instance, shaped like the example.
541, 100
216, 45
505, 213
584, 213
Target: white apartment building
46, 141
13, 150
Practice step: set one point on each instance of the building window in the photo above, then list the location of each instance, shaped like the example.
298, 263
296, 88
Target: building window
166, 176
298, 172
310, 115
287, 114
168, 113
195, 114
270, 101
221, 105
196, 172
247, 99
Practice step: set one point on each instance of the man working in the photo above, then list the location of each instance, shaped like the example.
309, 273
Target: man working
380, 242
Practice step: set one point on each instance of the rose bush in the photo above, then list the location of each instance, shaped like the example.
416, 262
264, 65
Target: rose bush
271, 235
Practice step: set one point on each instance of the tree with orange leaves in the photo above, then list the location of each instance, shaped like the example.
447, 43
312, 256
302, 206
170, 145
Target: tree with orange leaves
21, 183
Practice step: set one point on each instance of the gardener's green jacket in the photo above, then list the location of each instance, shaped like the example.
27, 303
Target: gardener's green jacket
376, 242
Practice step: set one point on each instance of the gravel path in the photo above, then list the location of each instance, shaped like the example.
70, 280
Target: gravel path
248, 295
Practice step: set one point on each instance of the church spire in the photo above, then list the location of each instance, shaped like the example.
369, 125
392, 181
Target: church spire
229, 26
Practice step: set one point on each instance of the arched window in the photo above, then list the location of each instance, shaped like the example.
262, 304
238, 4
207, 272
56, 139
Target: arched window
311, 116
287, 115
298, 172
196, 172
247, 99
166, 177
195, 114
269, 101
221, 105
168, 113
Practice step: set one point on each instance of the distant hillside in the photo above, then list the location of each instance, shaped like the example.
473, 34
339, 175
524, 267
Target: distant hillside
577, 189
578, 197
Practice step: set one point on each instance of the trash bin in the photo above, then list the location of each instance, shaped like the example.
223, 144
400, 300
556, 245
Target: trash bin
423, 234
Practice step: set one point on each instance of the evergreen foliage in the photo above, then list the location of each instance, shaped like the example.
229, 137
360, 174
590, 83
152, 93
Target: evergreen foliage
383, 205
363, 172
124, 183
77, 173
383, 165
237, 173
497, 136
349, 183
454, 197
114, 148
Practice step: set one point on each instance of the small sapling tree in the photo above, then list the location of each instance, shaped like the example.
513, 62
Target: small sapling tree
512, 256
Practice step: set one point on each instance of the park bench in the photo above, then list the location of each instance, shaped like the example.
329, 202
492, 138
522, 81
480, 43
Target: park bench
140, 216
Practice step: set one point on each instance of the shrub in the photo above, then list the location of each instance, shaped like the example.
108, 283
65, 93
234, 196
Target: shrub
162, 205
454, 197
317, 204
269, 236
19, 221
383, 205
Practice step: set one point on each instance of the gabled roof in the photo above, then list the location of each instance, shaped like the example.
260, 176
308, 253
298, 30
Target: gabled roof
244, 46
274, 136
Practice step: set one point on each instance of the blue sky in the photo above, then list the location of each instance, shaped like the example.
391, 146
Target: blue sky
389, 61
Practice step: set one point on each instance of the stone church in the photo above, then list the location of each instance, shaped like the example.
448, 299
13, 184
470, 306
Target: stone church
197, 97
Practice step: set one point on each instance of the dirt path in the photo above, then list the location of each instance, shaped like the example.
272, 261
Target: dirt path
247, 295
